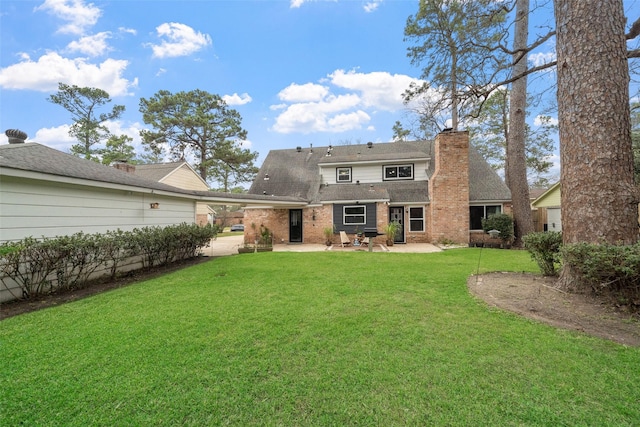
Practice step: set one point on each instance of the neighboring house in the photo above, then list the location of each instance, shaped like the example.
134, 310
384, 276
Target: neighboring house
538, 214
47, 193
550, 202
437, 190
229, 218
178, 174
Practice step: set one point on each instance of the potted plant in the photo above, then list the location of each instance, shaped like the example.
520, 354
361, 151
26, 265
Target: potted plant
391, 230
328, 235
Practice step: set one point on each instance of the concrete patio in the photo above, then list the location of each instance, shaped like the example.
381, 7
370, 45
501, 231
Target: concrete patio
229, 245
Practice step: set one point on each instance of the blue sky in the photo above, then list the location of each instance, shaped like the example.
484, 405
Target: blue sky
299, 72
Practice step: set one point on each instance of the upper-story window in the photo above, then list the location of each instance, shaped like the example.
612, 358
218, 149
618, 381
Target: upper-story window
343, 174
398, 172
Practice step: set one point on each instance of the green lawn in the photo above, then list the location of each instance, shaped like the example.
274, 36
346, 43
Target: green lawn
295, 339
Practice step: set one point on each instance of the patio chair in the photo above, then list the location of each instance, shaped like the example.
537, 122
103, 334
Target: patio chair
344, 239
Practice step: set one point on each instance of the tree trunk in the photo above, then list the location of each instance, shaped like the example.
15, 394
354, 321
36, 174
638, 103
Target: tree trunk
516, 164
599, 200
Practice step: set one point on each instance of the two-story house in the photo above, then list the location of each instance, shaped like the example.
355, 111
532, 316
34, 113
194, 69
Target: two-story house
437, 190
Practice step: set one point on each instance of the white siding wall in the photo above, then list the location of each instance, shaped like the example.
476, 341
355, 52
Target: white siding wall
371, 173
40, 208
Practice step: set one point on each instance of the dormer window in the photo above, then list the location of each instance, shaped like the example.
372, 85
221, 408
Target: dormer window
343, 174
394, 172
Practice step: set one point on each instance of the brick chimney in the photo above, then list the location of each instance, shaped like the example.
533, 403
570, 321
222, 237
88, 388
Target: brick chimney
449, 188
124, 166
16, 136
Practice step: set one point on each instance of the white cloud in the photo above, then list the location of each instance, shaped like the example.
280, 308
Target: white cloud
541, 58
236, 99
319, 116
346, 122
372, 6
179, 40
55, 137
94, 45
78, 15
378, 89
296, 3
131, 31
51, 68
313, 107
308, 92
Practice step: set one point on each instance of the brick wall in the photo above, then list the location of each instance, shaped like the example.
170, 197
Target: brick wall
449, 189
314, 221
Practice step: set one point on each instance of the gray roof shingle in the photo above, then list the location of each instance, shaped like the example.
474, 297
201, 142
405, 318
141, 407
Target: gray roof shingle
293, 173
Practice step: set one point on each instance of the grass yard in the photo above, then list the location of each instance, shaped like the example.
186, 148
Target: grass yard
296, 339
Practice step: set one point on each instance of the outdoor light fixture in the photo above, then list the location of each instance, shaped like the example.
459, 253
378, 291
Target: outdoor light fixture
154, 205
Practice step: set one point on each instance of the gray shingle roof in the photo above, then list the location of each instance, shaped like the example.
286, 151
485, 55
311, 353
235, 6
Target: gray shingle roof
34, 157
293, 173
156, 171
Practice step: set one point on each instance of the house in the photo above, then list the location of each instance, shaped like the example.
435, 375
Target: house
437, 190
47, 193
549, 202
178, 174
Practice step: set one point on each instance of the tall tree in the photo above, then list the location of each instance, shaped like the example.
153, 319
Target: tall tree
233, 165
118, 148
599, 200
516, 166
88, 126
489, 133
635, 139
192, 123
451, 38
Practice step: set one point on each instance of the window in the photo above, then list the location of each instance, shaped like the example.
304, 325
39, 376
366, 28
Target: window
354, 215
343, 174
398, 172
476, 213
416, 219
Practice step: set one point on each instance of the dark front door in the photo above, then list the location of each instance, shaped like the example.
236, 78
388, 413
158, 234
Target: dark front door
396, 213
295, 226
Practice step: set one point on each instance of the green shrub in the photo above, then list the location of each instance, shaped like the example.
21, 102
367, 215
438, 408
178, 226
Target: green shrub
545, 250
605, 267
38, 266
501, 222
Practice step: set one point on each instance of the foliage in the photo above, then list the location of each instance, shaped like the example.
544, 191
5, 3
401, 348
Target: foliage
328, 234
544, 248
489, 135
39, 266
605, 267
88, 127
391, 229
197, 124
453, 43
306, 339
501, 222
118, 148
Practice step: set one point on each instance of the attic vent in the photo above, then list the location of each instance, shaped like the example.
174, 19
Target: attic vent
298, 149
16, 136
369, 144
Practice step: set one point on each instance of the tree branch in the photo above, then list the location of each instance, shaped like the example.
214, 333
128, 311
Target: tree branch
634, 31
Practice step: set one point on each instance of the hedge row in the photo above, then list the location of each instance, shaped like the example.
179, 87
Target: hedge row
39, 266
600, 267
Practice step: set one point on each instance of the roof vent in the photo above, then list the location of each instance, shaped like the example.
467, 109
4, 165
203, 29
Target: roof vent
369, 144
298, 149
16, 136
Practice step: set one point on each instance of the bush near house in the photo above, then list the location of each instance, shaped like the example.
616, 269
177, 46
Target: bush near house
606, 268
39, 266
544, 248
501, 222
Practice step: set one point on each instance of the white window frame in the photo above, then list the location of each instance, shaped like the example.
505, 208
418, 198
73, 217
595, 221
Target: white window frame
397, 168
363, 215
338, 174
420, 218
